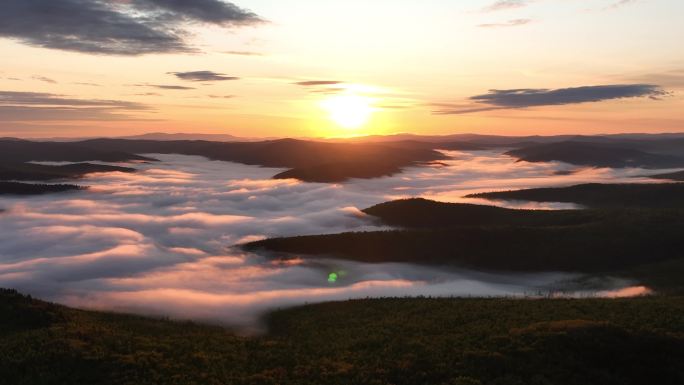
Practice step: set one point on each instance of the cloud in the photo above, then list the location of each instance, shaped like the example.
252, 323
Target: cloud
509, 23
459, 108
207, 11
30, 106
671, 79
44, 79
37, 98
327, 87
621, 3
506, 4
314, 83
221, 96
165, 86
131, 27
203, 76
526, 97
544, 97
171, 87
244, 53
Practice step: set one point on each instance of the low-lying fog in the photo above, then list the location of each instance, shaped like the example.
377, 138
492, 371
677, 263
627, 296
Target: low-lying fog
158, 241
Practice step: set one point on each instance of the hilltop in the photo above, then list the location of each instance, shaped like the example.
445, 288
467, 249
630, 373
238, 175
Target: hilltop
597, 195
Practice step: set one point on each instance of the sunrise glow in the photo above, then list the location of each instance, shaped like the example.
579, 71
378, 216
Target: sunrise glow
348, 111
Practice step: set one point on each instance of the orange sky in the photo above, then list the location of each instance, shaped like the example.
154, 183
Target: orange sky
343, 68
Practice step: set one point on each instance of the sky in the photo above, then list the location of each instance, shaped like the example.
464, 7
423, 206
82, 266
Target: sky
324, 68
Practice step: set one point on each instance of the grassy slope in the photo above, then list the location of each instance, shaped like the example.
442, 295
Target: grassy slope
382, 341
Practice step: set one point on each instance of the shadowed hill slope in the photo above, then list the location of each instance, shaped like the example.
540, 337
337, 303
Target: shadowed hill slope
595, 248
656, 195
615, 241
677, 176
596, 155
423, 213
20, 151
17, 188
40, 172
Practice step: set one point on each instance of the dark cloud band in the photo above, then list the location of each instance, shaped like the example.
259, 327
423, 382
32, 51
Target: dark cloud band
132, 27
203, 76
528, 97
32, 106
165, 87
314, 83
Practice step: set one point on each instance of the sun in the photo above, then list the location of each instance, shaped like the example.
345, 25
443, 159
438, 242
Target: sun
349, 111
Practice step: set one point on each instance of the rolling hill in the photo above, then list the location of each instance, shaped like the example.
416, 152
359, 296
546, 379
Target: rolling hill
595, 154
645, 195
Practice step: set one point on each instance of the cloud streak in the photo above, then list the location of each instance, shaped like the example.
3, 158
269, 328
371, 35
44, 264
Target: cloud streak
29, 106
133, 27
243, 53
208, 11
620, 4
315, 83
166, 87
44, 79
506, 4
671, 79
203, 76
509, 23
326, 87
531, 97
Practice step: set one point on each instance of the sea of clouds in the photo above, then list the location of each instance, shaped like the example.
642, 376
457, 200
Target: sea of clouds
160, 241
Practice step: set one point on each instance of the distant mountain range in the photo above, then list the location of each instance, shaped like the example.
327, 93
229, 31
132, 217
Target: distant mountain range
596, 195
307, 160
186, 136
162, 136
614, 154
480, 139
341, 159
